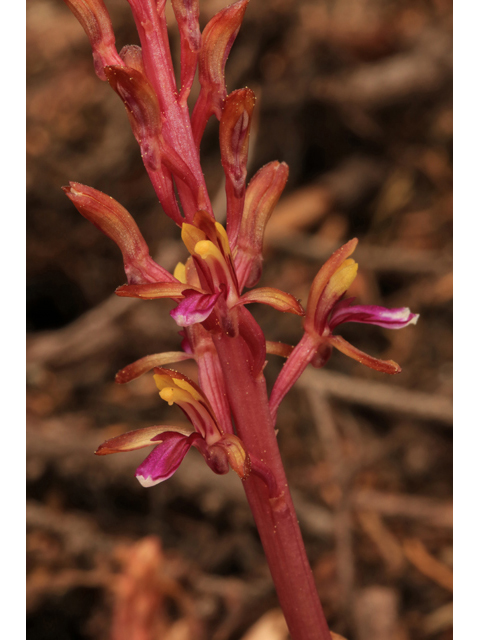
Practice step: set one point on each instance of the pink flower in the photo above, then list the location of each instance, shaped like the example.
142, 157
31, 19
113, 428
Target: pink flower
326, 310
220, 449
206, 286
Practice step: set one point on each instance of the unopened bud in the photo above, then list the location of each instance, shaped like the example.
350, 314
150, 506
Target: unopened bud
261, 196
217, 40
114, 221
187, 13
234, 137
95, 20
142, 108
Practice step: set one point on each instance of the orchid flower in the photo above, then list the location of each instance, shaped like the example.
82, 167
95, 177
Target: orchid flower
219, 449
232, 420
327, 308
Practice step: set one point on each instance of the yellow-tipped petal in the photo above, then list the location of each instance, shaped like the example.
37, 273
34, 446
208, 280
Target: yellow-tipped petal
223, 238
181, 384
341, 280
168, 394
162, 380
337, 286
180, 273
175, 395
191, 235
206, 249
322, 278
186, 386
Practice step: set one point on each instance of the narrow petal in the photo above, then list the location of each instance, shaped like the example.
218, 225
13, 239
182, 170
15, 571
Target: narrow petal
154, 290
137, 439
165, 459
322, 278
275, 298
196, 307
139, 367
279, 349
370, 314
385, 366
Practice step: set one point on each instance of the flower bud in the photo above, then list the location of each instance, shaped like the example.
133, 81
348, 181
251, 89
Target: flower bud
95, 20
142, 108
234, 137
115, 222
131, 54
187, 13
261, 196
217, 40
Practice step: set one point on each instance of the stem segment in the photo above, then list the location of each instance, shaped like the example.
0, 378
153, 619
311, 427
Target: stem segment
274, 516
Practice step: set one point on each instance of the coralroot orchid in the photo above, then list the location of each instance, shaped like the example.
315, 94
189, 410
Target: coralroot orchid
233, 421
172, 443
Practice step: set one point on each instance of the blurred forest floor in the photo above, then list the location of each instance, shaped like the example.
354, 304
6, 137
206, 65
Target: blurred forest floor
355, 95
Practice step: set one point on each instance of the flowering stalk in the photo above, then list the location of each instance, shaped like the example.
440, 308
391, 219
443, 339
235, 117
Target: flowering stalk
217, 330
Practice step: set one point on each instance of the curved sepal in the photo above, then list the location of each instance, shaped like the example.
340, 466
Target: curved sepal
384, 366
154, 290
114, 221
275, 298
147, 363
137, 439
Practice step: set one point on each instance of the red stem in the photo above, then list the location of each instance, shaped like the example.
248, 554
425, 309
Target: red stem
274, 516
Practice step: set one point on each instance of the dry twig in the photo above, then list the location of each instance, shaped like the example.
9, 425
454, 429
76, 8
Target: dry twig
379, 396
